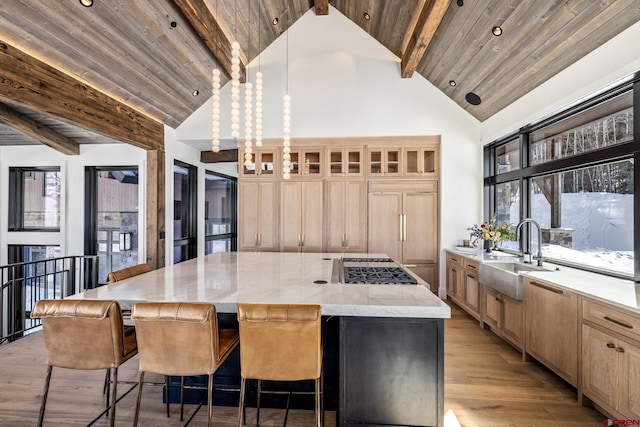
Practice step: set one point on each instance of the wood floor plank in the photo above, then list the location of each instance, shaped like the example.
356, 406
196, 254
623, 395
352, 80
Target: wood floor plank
486, 384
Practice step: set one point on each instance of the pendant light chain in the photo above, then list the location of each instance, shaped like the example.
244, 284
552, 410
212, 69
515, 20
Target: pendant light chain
248, 100
235, 82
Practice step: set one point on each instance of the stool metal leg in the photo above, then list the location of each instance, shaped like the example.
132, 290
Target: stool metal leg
258, 405
210, 401
166, 385
114, 397
318, 404
135, 416
45, 393
181, 398
241, 414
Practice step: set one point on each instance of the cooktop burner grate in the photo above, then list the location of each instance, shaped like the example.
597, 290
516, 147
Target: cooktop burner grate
378, 275
367, 260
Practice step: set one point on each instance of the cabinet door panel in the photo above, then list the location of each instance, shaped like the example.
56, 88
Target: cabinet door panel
421, 233
512, 320
291, 217
599, 366
384, 224
492, 308
552, 328
355, 212
248, 227
472, 293
311, 209
335, 215
268, 215
630, 381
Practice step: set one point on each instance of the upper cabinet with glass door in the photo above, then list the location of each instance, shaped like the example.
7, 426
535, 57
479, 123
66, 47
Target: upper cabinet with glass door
383, 162
345, 162
420, 161
306, 163
264, 164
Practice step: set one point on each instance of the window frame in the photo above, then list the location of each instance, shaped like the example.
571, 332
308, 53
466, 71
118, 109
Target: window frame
604, 155
191, 241
15, 215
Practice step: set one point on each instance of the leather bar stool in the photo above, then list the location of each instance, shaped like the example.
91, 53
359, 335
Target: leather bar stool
280, 343
127, 272
86, 335
181, 339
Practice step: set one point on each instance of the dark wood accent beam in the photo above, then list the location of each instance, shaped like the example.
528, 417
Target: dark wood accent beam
35, 130
211, 32
220, 156
430, 17
321, 7
156, 208
28, 81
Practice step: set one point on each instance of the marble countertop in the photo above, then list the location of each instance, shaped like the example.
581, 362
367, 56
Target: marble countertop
620, 292
229, 278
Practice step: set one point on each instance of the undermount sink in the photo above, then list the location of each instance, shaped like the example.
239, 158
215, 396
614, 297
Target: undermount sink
505, 276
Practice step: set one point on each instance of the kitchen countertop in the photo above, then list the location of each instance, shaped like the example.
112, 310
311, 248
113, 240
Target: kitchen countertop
620, 292
229, 278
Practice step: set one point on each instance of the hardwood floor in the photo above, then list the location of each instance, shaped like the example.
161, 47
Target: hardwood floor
486, 384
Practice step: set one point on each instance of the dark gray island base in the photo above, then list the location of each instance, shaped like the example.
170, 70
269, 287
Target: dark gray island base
391, 372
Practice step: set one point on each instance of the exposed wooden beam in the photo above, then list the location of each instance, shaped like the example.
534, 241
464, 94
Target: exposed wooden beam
156, 208
221, 156
421, 35
214, 34
321, 7
30, 82
35, 130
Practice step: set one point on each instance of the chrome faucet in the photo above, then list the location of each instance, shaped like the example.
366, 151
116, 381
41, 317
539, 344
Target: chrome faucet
529, 235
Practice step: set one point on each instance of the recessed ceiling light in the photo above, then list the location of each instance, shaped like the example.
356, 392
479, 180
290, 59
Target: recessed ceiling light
452, 83
472, 98
173, 24
195, 92
86, 3
497, 31
367, 17
275, 20
460, 3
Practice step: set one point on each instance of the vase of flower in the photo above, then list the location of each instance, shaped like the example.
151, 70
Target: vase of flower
489, 233
488, 246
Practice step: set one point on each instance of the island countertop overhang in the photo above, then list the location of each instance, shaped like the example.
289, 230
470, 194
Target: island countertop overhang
230, 278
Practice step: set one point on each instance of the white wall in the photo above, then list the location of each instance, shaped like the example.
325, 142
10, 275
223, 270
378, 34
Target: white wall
70, 237
614, 61
344, 83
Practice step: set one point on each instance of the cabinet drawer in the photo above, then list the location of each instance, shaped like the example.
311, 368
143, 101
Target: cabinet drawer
618, 320
455, 259
471, 265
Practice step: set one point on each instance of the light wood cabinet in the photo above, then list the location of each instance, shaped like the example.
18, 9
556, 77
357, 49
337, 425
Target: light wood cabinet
420, 161
611, 358
383, 162
307, 163
301, 216
345, 162
264, 164
258, 213
463, 286
552, 327
403, 221
428, 273
346, 208
503, 315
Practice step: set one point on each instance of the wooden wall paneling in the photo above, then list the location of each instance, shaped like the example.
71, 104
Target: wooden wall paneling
221, 156
38, 86
156, 208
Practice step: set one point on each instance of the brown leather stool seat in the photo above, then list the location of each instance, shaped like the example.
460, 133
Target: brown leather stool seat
280, 343
84, 334
181, 339
127, 272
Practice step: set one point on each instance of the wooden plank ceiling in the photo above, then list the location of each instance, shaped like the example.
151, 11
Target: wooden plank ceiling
155, 57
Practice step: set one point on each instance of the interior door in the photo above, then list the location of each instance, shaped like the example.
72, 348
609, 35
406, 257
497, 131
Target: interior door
384, 224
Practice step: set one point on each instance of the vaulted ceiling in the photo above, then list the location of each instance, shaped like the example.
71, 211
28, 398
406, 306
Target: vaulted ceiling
150, 62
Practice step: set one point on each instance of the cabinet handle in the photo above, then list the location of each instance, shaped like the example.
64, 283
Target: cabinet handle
256, 240
618, 322
404, 227
302, 240
548, 288
620, 349
410, 265
400, 221
611, 345
471, 266
259, 239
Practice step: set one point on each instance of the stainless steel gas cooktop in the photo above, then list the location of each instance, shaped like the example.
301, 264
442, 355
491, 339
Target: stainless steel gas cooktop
383, 271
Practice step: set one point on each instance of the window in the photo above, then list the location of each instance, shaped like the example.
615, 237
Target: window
112, 217
34, 199
573, 173
220, 213
185, 211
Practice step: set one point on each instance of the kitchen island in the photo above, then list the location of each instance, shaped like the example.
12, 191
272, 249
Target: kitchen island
383, 342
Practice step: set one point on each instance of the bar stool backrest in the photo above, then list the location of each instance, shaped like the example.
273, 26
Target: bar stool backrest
127, 272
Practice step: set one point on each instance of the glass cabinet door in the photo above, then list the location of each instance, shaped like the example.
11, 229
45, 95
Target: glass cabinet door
345, 161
